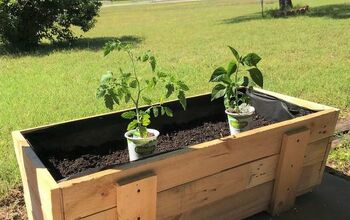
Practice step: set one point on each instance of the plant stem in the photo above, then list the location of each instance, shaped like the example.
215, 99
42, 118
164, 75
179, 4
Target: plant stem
136, 101
236, 90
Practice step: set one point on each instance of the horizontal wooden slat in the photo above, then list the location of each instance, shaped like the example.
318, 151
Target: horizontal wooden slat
81, 195
316, 151
110, 214
238, 206
216, 187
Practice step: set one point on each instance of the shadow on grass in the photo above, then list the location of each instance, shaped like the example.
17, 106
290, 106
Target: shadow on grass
335, 11
87, 44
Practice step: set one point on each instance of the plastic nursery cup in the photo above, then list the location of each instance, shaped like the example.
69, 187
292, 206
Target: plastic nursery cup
240, 121
141, 147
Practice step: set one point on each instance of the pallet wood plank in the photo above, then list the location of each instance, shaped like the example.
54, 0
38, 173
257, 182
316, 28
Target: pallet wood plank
137, 200
110, 214
216, 187
79, 194
289, 169
315, 152
238, 206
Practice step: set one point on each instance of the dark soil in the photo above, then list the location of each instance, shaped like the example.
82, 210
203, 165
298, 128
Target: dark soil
94, 158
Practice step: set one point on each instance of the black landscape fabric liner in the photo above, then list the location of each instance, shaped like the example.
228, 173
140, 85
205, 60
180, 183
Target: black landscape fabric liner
80, 145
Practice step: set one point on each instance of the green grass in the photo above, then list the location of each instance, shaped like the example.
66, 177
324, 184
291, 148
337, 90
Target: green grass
339, 157
306, 56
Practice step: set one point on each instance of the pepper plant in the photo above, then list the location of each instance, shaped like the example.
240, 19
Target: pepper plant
234, 77
128, 86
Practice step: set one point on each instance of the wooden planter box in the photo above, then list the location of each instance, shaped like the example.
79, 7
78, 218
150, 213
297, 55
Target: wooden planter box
229, 178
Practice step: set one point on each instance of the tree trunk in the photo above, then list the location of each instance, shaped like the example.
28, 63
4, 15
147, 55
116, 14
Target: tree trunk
285, 4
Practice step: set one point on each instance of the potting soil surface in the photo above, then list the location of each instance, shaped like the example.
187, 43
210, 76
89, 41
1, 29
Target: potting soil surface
91, 159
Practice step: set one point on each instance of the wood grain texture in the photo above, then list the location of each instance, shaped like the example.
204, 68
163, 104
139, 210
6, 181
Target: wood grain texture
137, 200
289, 169
110, 214
177, 168
237, 206
204, 191
43, 198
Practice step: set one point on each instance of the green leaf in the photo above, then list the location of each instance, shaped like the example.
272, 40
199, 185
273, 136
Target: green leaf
133, 84
129, 115
232, 67
251, 59
110, 46
114, 97
155, 111
145, 57
162, 111
162, 74
257, 76
143, 131
100, 92
218, 74
108, 101
132, 125
244, 81
152, 61
146, 119
170, 89
235, 53
147, 100
105, 78
168, 111
127, 97
218, 91
182, 98
182, 85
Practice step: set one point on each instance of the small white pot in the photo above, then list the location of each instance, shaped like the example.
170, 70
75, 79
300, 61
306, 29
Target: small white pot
240, 121
141, 147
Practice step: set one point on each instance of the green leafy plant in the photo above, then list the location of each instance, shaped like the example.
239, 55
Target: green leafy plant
24, 23
129, 87
230, 81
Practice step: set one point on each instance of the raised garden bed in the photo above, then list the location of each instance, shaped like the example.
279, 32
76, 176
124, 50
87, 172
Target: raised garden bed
80, 170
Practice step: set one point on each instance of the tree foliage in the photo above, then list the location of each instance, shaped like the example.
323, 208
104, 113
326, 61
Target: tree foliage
23, 23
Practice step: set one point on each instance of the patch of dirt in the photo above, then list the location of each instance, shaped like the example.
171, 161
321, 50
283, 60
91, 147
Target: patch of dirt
12, 206
94, 158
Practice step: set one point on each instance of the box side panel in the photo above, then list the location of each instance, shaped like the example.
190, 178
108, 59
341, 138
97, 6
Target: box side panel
81, 195
215, 194
42, 196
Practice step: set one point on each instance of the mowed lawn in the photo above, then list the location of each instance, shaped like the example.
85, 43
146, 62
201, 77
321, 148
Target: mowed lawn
305, 56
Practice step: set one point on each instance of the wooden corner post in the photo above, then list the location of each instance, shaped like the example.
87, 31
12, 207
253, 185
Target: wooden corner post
137, 200
289, 169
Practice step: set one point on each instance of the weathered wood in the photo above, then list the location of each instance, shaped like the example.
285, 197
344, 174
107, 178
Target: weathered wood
42, 196
289, 169
80, 194
315, 152
137, 200
110, 214
238, 206
216, 187
221, 178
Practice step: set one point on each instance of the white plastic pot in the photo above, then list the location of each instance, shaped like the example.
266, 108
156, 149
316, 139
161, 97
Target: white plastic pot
240, 121
141, 147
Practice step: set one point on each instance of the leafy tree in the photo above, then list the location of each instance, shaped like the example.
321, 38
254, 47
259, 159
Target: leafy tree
23, 23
